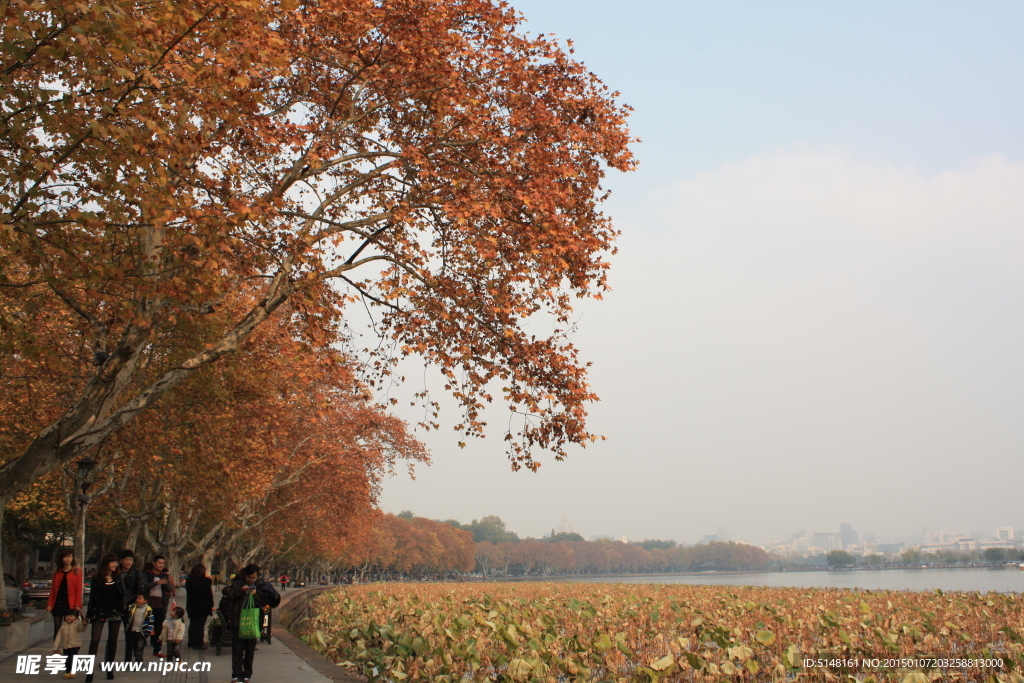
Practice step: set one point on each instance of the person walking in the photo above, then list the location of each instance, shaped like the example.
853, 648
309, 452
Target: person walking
132, 583
65, 589
138, 627
106, 605
284, 582
69, 639
247, 582
198, 605
174, 633
160, 595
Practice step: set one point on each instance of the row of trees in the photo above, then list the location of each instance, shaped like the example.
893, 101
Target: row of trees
914, 558
337, 541
282, 454
404, 545
987, 556
532, 557
190, 195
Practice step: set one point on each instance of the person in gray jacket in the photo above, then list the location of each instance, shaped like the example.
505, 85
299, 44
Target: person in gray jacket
133, 582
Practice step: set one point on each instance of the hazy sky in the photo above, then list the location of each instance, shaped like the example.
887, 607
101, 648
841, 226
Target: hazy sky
817, 305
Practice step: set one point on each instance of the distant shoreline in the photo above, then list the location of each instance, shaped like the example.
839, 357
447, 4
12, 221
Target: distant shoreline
788, 570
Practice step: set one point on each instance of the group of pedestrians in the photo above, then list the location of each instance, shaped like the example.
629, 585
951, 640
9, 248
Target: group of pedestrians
142, 600
121, 594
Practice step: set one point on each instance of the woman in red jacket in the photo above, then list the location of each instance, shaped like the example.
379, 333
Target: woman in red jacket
66, 587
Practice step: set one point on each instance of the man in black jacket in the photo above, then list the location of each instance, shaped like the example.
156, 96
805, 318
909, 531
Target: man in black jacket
247, 582
132, 582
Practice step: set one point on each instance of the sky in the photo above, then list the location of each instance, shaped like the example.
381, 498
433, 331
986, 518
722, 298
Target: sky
816, 313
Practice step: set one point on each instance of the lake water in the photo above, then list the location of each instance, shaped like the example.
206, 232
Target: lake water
982, 579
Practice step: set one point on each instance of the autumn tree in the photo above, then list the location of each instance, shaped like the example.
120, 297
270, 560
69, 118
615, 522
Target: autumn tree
282, 449
423, 155
37, 518
413, 546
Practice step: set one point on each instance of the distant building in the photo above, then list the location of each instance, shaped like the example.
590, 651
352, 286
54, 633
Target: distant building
773, 545
565, 527
890, 548
1005, 533
848, 535
985, 545
827, 541
966, 544
961, 544
721, 536
800, 542
783, 551
866, 548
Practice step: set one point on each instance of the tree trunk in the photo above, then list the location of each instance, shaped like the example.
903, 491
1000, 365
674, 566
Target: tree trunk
81, 510
134, 529
3, 569
206, 559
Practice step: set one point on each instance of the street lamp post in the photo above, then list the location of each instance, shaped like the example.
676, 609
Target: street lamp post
84, 481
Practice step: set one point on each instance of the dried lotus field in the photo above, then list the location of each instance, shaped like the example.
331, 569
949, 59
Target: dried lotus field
553, 632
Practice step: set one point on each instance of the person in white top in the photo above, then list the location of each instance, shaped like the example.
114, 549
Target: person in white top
173, 633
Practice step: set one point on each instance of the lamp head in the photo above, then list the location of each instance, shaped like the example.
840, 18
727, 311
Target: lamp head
85, 467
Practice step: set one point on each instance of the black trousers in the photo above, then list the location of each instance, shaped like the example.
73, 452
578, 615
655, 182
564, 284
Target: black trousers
127, 636
159, 614
135, 644
242, 652
196, 628
70, 653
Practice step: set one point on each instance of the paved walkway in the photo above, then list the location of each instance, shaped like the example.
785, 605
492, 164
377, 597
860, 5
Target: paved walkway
274, 663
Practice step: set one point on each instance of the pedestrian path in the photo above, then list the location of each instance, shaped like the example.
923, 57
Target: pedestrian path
274, 663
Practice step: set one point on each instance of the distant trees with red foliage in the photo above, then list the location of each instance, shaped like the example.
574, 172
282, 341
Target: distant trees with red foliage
412, 546
406, 545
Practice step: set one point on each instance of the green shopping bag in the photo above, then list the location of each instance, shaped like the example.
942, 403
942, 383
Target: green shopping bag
249, 622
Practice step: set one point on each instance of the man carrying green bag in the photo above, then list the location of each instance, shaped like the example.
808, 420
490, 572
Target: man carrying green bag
249, 623
247, 596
